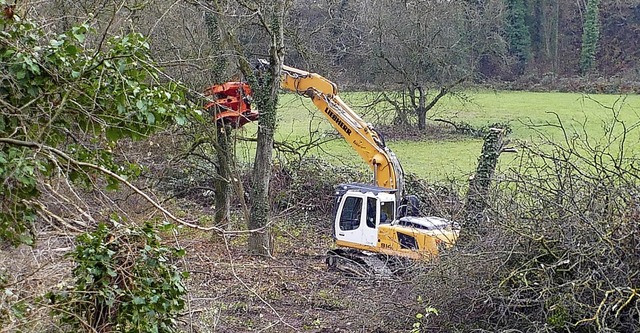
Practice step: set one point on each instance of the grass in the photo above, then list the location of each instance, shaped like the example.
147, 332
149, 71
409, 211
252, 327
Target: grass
523, 108
528, 114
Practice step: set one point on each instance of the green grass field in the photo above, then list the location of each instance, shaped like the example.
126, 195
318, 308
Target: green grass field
442, 159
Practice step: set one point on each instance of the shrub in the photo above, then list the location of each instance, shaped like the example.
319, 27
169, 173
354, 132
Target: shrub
124, 282
435, 199
310, 184
65, 108
560, 252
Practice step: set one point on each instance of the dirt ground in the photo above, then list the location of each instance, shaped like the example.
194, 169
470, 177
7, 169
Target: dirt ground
230, 291
291, 292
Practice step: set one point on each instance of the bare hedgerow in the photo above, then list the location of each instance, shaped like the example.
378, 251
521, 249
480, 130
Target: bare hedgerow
441, 200
562, 250
309, 184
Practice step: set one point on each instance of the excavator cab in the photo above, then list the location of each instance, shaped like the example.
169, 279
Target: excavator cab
366, 218
360, 209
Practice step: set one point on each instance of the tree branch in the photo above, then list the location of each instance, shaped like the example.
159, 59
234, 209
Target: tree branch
71, 160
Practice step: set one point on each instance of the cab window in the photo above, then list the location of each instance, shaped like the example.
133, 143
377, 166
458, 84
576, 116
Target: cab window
350, 215
387, 208
372, 204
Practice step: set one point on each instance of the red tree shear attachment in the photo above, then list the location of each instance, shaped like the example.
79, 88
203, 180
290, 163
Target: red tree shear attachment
232, 104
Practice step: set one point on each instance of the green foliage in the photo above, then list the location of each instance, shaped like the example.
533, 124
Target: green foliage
421, 318
590, 36
64, 103
517, 31
15, 311
557, 315
17, 170
124, 281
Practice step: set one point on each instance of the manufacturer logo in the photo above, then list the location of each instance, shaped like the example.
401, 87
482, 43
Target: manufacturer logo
338, 121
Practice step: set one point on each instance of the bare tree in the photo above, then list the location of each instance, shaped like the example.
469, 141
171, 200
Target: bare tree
436, 52
269, 17
331, 36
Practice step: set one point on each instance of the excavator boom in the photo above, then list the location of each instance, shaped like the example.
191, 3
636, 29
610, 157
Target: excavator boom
233, 104
363, 138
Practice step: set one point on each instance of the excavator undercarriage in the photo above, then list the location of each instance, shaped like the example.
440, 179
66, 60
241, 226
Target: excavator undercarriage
359, 264
368, 265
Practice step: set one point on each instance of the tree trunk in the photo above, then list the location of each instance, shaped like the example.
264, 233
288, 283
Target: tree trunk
554, 37
265, 99
476, 201
223, 183
224, 152
421, 111
260, 241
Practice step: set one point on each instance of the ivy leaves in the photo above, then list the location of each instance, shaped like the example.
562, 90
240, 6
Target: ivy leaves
18, 171
124, 279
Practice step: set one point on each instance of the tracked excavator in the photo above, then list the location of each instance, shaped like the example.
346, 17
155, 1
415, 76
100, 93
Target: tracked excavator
371, 222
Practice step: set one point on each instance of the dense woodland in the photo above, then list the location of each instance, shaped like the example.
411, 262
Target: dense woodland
364, 44
124, 208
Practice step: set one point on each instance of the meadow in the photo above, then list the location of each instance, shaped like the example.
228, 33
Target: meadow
530, 115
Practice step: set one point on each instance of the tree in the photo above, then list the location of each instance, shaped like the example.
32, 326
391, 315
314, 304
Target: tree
480, 182
590, 36
65, 108
266, 99
422, 53
224, 152
331, 37
544, 23
518, 32
265, 84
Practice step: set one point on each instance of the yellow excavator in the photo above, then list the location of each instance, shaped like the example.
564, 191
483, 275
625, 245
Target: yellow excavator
368, 218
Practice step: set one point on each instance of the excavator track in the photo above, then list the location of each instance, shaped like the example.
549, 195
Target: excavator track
359, 264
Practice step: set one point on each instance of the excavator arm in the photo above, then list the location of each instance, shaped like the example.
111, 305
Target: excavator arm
363, 138
366, 217
233, 98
